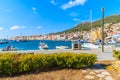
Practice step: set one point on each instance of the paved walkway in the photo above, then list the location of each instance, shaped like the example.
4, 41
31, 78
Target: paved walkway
99, 74
107, 55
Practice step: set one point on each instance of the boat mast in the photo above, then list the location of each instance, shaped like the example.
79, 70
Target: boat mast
21, 34
91, 19
90, 25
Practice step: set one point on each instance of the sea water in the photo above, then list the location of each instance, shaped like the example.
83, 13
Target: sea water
34, 44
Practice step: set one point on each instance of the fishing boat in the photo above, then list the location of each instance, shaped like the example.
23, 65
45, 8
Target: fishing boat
22, 40
90, 46
3, 41
43, 46
62, 47
9, 48
117, 44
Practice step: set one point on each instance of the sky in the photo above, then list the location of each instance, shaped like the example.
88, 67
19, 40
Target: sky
34, 17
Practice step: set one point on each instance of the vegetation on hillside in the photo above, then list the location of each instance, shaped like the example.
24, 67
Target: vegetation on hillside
86, 26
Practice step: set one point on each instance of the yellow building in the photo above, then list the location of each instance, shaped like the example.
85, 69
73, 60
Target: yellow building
95, 35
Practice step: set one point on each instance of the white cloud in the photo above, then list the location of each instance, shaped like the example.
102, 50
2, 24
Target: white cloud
76, 19
74, 14
53, 2
34, 10
1, 28
39, 27
16, 27
73, 3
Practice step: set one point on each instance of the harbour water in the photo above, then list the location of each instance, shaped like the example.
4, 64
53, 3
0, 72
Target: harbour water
34, 44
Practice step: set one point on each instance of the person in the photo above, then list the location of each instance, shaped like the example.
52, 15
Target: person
79, 41
99, 40
8, 48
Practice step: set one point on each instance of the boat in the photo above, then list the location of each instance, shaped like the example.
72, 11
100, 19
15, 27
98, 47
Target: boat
90, 46
62, 47
111, 42
43, 46
117, 44
9, 48
22, 40
3, 41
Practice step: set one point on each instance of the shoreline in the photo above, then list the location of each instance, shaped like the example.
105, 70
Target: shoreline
97, 50
107, 55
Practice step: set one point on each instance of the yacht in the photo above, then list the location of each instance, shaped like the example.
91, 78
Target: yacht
9, 48
21, 40
62, 47
90, 46
4, 41
43, 46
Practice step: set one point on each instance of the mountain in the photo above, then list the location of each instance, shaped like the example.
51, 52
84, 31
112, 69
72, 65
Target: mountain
86, 26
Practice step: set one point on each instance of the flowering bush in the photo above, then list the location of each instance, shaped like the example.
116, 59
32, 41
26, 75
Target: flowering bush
11, 64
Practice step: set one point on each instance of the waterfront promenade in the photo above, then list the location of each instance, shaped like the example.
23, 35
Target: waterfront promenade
107, 55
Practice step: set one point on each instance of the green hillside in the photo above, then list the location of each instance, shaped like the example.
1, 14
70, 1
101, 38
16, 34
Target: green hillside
86, 26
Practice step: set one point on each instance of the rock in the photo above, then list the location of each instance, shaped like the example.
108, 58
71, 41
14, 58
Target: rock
84, 71
105, 73
100, 79
99, 71
109, 78
118, 74
100, 75
89, 77
92, 73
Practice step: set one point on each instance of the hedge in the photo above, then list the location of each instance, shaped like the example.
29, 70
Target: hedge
11, 64
116, 54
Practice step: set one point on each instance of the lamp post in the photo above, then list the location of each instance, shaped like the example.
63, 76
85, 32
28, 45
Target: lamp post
102, 29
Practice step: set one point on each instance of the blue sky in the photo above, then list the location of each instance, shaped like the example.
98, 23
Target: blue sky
32, 17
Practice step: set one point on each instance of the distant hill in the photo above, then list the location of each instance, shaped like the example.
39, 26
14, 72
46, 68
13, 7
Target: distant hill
86, 26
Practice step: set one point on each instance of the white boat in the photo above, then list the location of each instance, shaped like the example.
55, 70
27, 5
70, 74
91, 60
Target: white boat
43, 46
62, 47
22, 40
3, 41
9, 48
90, 46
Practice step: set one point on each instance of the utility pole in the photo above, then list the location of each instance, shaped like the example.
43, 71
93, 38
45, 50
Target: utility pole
102, 29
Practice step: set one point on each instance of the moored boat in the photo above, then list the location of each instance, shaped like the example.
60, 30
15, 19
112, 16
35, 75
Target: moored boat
62, 47
43, 46
22, 40
9, 48
3, 41
90, 46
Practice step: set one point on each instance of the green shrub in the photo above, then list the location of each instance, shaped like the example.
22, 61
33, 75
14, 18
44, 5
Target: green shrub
11, 64
116, 54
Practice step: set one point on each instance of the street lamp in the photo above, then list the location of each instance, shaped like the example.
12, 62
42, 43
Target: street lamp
102, 29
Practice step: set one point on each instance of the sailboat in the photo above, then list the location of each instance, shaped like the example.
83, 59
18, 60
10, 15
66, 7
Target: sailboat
90, 24
89, 44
